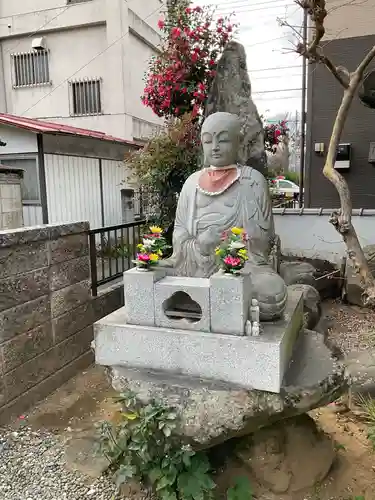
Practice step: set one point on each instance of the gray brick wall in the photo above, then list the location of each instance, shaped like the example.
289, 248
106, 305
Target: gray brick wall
46, 311
324, 97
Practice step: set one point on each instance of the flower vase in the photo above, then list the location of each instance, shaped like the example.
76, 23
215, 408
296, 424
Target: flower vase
143, 269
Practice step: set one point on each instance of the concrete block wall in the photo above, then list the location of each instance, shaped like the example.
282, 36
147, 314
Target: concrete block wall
46, 311
310, 235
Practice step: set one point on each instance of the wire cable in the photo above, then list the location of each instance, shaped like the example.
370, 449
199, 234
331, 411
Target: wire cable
40, 28
88, 63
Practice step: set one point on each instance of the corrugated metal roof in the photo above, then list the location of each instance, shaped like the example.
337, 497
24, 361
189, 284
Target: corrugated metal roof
43, 127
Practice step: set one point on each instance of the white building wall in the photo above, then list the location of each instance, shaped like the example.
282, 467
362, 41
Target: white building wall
32, 215
38, 102
73, 189
17, 141
349, 19
76, 36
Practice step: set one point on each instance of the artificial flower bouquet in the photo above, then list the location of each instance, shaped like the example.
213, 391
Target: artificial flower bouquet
152, 249
232, 252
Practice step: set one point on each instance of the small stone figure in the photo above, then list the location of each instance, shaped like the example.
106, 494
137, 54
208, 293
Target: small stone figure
248, 328
255, 329
254, 311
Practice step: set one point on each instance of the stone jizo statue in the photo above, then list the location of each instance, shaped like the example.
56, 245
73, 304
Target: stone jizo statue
223, 195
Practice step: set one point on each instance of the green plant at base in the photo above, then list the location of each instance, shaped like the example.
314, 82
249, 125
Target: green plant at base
241, 490
142, 446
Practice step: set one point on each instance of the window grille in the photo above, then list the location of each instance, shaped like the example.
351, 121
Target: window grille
31, 68
86, 97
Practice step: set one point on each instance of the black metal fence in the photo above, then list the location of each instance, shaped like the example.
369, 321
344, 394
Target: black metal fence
285, 203
112, 250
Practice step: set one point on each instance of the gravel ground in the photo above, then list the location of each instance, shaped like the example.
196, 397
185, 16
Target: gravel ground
351, 328
32, 467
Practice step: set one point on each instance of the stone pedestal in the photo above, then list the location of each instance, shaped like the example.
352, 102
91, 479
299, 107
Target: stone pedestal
183, 303
230, 302
249, 362
139, 296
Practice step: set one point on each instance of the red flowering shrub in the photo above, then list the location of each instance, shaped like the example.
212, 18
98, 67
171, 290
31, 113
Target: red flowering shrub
273, 134
179, 78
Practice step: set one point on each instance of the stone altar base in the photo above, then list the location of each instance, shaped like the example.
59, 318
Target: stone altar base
212, 413
246, 362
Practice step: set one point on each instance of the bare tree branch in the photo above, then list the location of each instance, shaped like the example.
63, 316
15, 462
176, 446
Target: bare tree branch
341, 220
313, 51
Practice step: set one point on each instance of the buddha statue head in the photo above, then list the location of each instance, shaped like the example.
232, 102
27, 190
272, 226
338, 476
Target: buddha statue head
221, 134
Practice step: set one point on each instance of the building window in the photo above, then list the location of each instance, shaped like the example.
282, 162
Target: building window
31, 68
30, 182
86, 97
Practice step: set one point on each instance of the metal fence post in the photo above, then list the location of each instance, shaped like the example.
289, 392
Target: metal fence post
94, 270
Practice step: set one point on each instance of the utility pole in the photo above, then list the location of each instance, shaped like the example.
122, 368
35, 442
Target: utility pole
303, 115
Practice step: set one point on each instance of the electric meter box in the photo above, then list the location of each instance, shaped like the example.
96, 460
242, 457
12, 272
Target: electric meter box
343, 156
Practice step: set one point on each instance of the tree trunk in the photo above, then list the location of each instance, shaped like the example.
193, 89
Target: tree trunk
342, 220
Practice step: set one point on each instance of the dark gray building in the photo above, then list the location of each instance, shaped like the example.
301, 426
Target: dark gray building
352, 32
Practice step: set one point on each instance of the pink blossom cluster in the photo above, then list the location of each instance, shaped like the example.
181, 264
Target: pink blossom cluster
273, 134
232, 261
179, 78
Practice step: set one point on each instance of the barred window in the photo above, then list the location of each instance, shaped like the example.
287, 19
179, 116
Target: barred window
31, 68
86, 97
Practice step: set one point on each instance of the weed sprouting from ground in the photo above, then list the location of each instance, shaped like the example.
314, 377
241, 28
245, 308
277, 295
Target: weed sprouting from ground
368, 406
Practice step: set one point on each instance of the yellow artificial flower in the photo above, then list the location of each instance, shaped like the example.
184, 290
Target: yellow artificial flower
217, 251
160, 253
237, 230
156, 229
243, 253
154, 257
140, 246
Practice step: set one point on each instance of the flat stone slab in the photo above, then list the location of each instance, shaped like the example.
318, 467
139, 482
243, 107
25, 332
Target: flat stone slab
250, 362
213, 412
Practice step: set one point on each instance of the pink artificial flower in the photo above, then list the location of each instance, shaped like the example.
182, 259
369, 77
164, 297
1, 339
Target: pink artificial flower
161, 24
143, 257
232, 261
212, 62
198, 9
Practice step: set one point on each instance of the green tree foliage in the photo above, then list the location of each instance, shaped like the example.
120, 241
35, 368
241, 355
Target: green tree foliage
164, 164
